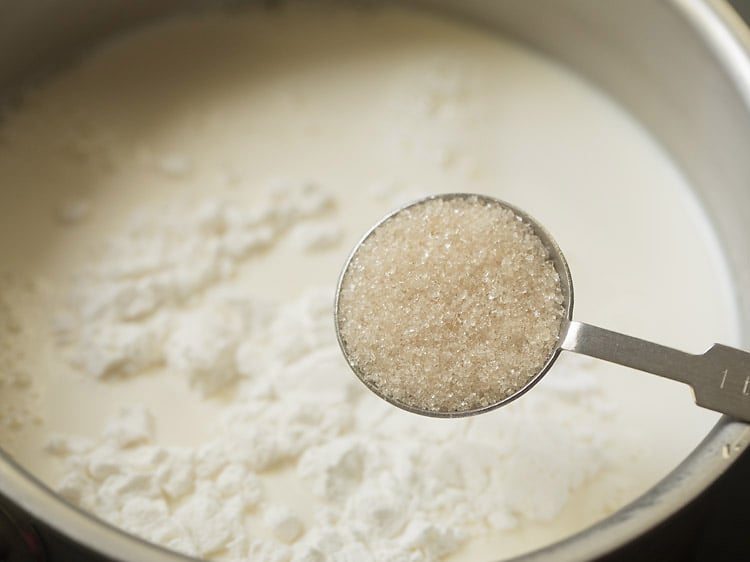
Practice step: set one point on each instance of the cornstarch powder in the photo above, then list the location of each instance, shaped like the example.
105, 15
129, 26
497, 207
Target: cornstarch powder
372, 483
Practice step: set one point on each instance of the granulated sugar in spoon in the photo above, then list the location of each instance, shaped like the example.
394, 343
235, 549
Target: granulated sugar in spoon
457, 304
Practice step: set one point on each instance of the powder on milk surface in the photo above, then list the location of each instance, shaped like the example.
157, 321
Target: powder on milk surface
375, 483
135, 307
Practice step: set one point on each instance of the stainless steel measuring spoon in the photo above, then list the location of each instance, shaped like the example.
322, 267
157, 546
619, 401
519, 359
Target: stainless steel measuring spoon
719, 378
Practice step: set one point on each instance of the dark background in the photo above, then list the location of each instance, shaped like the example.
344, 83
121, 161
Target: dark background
716, 528
725, 535
743, 7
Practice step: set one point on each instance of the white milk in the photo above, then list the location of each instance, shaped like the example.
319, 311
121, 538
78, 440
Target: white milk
377, 108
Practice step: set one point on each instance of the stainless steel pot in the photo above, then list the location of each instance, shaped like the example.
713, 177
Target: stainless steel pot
680, 66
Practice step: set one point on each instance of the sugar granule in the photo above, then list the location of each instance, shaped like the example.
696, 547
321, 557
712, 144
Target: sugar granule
450, 305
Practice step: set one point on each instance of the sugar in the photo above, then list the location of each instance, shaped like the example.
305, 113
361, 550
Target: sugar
451, 305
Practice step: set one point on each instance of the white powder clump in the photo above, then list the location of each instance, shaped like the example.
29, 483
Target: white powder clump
404, 489
284, 524
132, 425
134, 310
450, 305
316, 236
203, 345
123, 348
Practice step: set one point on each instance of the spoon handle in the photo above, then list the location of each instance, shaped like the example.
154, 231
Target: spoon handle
720, 377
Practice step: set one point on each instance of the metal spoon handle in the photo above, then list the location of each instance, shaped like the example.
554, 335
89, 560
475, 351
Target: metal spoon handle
720, 377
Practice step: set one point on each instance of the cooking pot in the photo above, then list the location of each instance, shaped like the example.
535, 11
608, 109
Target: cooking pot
681, 67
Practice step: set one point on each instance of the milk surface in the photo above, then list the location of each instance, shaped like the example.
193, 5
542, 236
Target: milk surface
379, 107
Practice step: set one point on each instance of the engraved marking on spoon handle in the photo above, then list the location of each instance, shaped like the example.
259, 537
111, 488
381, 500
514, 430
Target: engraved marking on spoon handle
720, 377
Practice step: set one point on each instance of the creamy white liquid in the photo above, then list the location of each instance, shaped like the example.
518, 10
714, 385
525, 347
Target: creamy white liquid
365, 104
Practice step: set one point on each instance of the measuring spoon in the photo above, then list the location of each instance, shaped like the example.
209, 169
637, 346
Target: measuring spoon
719, 378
